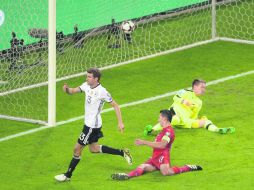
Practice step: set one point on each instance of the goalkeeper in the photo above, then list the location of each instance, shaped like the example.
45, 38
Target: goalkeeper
187, 105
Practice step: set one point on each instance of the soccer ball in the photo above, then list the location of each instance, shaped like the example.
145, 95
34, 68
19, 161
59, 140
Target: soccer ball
127, 27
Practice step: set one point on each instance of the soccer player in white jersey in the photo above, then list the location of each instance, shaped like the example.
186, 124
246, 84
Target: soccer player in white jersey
95, 96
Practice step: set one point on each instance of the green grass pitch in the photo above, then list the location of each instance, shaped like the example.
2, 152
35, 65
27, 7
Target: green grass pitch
32, 161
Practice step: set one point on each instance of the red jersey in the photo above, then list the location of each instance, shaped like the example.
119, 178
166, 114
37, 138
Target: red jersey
166, 133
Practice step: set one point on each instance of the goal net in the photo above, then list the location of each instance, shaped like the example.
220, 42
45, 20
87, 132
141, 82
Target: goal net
96, 34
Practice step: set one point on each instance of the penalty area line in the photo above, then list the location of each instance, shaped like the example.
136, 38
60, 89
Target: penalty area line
146, 100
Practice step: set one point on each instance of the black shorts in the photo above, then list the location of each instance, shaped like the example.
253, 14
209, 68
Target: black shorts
89, 135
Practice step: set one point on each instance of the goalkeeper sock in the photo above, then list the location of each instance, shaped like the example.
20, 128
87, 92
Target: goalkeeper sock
210, 126
74, 162
157, 127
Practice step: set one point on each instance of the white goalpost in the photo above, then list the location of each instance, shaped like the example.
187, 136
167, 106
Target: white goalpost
57, 48
52, 63
213, 19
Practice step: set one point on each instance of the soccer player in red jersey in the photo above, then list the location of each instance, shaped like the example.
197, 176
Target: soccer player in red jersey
160, 159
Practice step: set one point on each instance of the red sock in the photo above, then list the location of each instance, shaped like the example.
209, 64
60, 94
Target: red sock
136, 172
182, 169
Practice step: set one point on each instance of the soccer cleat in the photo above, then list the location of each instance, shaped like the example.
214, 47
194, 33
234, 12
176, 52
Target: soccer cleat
62, 178
222, 130
194, 167
127, 156
120, 176
148, 130
230, 130
226, 130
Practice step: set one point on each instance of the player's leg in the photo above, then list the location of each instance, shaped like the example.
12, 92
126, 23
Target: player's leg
140, 170
73, 163
208, 124
186, 168
204, 123
165, 169
75, 160
83, 140
94, 147
163, 163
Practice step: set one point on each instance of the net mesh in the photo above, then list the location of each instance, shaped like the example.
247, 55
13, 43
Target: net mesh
91, 34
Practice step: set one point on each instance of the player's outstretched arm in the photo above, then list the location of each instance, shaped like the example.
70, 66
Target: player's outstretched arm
69, 90
118, 115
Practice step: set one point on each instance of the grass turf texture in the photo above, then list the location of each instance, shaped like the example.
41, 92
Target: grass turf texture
30, 162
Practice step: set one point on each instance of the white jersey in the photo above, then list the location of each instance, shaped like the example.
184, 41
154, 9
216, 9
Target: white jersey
95, 98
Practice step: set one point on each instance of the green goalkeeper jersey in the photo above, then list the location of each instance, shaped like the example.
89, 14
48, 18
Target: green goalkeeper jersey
191, 111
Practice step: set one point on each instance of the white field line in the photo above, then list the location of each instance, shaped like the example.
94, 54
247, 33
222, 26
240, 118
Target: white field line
214, 82
23, 119
237, 40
